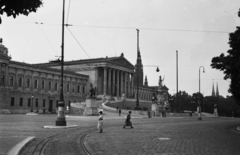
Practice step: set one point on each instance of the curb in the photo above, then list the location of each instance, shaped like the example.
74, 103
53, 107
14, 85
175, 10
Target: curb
59, 127
15, 150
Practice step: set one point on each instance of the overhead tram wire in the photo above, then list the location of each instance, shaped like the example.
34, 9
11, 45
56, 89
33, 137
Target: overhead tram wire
76, 40
70, 30
45, 35
112, 27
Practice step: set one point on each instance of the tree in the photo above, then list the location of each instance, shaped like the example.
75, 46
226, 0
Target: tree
16, 7
230, 64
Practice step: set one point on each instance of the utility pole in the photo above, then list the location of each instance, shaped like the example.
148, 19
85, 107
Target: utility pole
177, 79
137, 71
61, 120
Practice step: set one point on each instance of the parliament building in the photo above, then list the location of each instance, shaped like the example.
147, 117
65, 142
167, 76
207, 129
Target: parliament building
24, 86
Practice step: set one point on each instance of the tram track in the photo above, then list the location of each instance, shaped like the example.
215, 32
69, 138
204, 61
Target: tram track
67, 142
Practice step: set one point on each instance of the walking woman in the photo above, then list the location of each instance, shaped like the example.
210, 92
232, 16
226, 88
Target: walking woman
100, 122
127, 121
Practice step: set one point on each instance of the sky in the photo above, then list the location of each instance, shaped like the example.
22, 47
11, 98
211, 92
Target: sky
198, 30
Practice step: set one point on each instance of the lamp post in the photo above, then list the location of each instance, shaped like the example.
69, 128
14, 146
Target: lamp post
61, 120
32, 104
199, 103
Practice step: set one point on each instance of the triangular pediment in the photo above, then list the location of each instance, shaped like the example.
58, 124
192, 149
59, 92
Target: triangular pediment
121, 61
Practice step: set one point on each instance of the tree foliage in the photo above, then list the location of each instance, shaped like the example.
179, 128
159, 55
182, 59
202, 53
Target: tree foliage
230, 64
16, 7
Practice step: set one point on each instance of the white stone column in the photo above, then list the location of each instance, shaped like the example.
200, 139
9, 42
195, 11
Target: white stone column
105, 81
125, 83
118, 84
113, 83
109, 81
122, 88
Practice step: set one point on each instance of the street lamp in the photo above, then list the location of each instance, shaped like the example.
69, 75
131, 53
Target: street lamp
32, 104
61, 120
199, 103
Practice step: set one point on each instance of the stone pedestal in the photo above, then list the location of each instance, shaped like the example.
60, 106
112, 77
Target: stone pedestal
155, 111
91, 107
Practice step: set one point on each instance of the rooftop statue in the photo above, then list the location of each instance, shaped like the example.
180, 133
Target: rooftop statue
160, 83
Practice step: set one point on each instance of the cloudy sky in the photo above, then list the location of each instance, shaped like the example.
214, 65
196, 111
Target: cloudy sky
197, 29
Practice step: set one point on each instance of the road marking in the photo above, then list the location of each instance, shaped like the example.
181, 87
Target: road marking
164, 138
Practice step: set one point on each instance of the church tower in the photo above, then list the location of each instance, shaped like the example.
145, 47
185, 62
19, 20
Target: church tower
217, 93
213, 92
146, 81
138, 75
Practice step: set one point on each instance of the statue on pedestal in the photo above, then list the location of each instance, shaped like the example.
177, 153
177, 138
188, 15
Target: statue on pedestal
91, 105
91, 91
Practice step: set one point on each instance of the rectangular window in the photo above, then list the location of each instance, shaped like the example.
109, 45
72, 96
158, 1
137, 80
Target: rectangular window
29, 102
57, 103
78, 89
68, 87
43, 84
73, 89
2, 80
11, 81
36, 102
21, 102
12, 101
83, 89
56, 86
28, 83
19, 81
50, 85
44, 100
35, 84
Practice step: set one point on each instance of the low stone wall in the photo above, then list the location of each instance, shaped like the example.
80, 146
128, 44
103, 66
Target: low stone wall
111, 106
76, 109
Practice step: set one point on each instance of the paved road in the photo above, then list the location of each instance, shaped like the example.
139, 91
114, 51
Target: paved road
166, 136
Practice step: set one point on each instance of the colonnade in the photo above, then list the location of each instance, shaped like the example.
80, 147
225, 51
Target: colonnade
116, 82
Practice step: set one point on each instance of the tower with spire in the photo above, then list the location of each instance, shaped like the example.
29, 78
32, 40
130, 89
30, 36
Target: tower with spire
213, 91
138, 66
217, 92
146, 81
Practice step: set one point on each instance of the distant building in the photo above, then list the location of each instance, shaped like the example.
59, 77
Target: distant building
217, 91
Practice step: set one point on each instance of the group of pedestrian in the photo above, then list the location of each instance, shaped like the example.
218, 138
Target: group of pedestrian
127, 120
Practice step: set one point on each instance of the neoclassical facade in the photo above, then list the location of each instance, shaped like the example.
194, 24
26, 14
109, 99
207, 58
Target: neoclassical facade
111, 75
24, 86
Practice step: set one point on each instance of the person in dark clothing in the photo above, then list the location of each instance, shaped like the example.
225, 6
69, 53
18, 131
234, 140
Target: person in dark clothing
119, 111
128, 120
